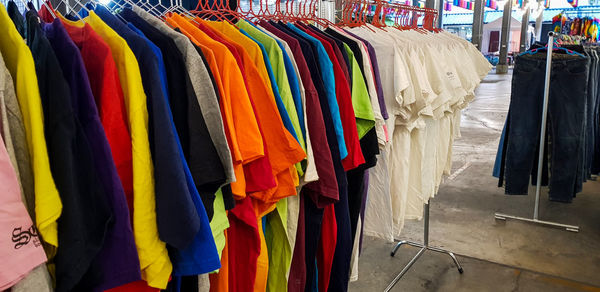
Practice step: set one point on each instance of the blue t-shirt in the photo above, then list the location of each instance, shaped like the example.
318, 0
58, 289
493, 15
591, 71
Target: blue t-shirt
329, 82
295, 87
208, 263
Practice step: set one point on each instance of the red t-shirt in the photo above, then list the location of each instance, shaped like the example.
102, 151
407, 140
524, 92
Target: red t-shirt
327, 246
243, 246
106, 88
45, 15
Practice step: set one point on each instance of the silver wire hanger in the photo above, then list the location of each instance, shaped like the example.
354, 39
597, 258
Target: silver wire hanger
69, 7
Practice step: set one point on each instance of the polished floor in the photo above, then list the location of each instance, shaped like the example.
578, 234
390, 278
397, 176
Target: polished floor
496, 255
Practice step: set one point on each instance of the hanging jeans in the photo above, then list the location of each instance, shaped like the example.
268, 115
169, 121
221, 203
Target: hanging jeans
566, 112
593, 119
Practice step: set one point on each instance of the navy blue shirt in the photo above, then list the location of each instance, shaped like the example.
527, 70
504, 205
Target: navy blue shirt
202, 248
198, 148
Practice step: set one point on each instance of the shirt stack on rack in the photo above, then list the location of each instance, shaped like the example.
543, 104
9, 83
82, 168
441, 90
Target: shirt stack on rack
143, 153
428, 80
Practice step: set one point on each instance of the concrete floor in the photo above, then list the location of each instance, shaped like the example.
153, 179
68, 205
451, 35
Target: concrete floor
496, 255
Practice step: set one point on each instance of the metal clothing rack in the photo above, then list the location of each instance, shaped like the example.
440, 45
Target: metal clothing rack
429, 22
538, 187
424, 247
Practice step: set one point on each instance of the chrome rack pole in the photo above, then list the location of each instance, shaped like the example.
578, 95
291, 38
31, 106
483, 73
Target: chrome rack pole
538, 186
424, 247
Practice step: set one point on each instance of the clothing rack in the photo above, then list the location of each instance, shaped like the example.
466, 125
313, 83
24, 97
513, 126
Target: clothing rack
405, 17
536, 207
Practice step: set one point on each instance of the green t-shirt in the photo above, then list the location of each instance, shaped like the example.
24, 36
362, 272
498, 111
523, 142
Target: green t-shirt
280, 251
365, 118
219, 222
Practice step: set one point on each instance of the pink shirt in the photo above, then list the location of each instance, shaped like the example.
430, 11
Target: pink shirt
20, 247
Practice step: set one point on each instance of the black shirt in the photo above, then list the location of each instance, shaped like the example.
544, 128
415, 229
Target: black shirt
86, 214
16, 17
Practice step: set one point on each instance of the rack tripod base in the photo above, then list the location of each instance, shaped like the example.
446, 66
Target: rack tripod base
504, 217
424, 247
416, 257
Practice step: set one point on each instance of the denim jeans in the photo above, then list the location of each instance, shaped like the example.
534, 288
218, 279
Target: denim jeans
566, 112
593, 119
499, 162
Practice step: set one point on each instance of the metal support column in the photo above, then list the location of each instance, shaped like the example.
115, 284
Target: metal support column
524, 43
477, 34
338, 10
439, 6
431, 4
502, 66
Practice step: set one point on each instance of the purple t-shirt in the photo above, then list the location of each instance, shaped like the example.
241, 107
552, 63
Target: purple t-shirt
117, 262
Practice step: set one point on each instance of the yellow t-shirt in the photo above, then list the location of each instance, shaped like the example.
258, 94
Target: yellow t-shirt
19, 62
154, 258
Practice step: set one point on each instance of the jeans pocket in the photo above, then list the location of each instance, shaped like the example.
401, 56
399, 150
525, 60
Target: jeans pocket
576, 68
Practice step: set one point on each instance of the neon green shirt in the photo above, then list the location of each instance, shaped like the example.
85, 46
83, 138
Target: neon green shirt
365, 118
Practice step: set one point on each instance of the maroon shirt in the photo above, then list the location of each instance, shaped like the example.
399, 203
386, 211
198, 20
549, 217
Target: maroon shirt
325, 190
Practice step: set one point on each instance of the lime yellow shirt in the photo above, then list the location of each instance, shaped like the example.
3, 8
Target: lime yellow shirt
219, 222
154, 258
363, 111
19, 62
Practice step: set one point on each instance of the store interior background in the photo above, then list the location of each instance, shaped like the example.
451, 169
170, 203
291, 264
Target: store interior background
496, 255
